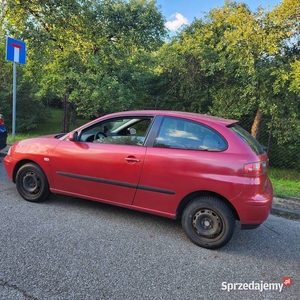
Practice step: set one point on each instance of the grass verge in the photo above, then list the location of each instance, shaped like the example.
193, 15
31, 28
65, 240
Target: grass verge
286, 183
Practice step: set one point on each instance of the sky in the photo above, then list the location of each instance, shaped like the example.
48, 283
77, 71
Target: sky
180, 12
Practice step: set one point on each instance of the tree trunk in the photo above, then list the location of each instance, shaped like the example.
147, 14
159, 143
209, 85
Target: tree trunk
256, 123
66, 114
73, 114
270, 134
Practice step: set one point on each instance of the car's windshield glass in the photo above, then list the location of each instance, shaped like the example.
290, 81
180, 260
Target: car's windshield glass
248, 138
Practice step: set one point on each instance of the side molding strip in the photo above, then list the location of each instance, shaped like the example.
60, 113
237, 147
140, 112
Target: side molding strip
117, 183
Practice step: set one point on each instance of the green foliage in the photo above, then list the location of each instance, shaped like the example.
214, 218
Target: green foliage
30, 111
236, 63
94, 54
6, 79
221, 64
295, 76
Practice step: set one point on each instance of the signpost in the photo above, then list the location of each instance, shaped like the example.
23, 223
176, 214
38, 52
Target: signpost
15, 52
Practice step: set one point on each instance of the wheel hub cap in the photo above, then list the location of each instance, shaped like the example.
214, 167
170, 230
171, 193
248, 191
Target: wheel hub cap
207, 223
31, 182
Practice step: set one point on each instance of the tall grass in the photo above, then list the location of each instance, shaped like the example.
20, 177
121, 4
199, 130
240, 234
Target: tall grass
286, 183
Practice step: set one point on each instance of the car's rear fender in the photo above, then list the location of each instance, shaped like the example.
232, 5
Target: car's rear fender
196, 194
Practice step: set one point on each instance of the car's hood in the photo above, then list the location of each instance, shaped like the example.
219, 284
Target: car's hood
43, 145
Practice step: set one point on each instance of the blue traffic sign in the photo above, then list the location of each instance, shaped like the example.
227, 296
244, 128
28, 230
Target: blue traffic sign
15, 51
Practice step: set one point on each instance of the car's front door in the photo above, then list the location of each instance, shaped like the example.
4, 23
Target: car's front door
103, 166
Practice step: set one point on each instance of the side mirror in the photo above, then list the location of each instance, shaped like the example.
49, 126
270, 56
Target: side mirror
73, 136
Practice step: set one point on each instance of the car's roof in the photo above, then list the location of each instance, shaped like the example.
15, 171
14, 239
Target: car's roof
179, 114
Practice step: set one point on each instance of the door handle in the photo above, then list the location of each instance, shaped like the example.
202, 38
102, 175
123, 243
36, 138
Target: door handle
132, 159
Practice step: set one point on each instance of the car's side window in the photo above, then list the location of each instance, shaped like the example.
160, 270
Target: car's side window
122, 131
183, 134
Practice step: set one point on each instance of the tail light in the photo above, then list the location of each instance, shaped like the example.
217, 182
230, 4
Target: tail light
1, 120
255, 169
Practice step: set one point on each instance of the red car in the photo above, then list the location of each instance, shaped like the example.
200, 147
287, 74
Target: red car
208, 171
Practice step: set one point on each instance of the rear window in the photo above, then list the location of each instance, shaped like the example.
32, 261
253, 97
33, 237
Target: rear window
248, 138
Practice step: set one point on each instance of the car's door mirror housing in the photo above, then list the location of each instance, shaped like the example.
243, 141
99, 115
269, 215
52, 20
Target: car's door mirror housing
73, 136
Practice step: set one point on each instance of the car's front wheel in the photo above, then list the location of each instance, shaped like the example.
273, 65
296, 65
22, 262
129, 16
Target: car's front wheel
208, 222
32, 183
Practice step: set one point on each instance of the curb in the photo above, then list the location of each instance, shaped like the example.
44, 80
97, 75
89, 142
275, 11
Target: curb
288, 207
287, 213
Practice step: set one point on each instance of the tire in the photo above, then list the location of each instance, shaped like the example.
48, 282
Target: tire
208, 222
32, 183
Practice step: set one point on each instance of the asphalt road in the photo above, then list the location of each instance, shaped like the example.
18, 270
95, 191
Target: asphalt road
68, 248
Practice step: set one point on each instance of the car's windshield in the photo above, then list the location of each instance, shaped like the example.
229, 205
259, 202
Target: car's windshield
248, 138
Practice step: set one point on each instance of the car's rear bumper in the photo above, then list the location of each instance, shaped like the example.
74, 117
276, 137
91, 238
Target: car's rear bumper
255, 210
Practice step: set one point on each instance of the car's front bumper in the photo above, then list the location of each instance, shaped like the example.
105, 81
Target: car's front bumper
9, 164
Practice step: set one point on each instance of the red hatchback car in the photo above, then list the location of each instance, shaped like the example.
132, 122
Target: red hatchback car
208, 171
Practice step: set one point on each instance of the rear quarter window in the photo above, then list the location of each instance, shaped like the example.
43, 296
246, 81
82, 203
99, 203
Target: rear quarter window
248, 138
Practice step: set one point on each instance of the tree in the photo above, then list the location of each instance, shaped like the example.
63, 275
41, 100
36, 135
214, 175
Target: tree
226, 63
81, 48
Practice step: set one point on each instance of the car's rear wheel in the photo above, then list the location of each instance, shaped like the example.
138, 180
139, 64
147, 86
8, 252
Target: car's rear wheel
32, 183
208, 222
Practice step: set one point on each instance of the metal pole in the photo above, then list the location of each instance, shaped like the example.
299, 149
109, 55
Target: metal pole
14, 101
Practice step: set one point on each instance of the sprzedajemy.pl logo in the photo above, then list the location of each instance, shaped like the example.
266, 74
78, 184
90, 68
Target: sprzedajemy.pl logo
256, 286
